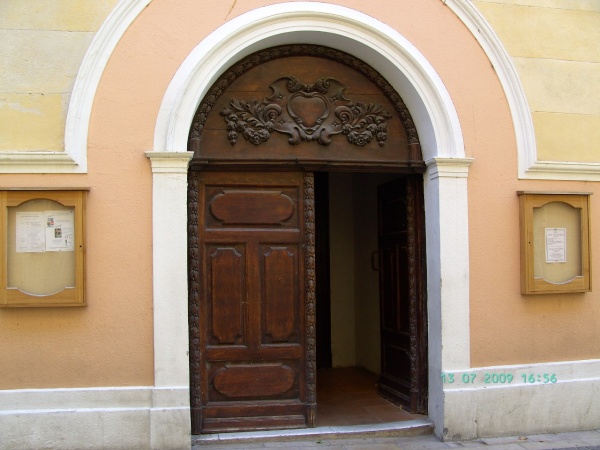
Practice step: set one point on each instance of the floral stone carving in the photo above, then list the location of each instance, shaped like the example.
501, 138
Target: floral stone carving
306, 113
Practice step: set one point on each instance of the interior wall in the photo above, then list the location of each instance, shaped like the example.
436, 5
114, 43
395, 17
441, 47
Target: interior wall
341, 245
355, 331
368, 342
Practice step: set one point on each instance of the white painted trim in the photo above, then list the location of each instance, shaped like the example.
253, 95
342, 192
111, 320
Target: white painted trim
447, 237
447, 226
90, 72
170, 162
508, 76
565, 371
170, 272
557, 170
121, 417
529, 167
449, 167
37, 162
76, 398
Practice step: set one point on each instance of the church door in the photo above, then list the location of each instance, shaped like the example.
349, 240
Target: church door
264, 127
252, 247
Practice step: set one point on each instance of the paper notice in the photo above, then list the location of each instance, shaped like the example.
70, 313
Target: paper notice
30, 232
556, 245
60, 231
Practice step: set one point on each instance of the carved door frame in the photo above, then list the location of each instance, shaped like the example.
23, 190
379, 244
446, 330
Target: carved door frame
257, 112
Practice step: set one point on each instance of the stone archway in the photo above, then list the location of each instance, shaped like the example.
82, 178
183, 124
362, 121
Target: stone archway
444, 184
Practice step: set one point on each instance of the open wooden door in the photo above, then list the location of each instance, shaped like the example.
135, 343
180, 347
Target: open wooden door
252, 369
403, 377
264, 126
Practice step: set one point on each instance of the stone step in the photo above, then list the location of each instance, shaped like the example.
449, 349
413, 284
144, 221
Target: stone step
392, 429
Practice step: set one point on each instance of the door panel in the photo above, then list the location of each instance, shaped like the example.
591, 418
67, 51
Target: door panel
280, 294
252, 370
252, 381
402, 280
225, 295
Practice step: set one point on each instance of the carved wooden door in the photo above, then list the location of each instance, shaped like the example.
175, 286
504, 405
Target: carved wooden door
250, 371
301, 108
401, 283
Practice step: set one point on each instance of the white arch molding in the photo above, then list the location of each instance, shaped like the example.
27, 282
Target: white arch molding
436, 120
321, 24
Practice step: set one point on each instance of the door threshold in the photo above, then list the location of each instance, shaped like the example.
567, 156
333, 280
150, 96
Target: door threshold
391, 429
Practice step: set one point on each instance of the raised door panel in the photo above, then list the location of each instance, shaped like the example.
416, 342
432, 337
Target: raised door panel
395, 317
253, 381
280, 311
247, 207
226, 294
394, 289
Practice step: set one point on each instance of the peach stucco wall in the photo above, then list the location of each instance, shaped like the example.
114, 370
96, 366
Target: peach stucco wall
110, 341
507, 327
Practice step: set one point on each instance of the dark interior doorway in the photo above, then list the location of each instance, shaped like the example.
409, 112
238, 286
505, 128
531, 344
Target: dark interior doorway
349, 326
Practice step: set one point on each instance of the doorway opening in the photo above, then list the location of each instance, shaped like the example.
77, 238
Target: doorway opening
349, 322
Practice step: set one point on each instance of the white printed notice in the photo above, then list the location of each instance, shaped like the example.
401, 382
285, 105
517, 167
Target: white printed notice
30, 232
60, 231
556, 245
49, 231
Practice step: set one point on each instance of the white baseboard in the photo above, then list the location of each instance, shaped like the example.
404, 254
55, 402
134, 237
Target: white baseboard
480, 402
552, 397
112, 417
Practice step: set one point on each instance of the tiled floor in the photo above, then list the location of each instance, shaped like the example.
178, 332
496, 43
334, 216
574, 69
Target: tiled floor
348, 396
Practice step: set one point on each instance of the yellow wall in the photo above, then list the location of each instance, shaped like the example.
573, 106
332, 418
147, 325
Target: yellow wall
42, 45
554, 45
110, 342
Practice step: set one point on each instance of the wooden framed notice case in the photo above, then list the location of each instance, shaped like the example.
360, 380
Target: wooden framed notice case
42, 245
555, 242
